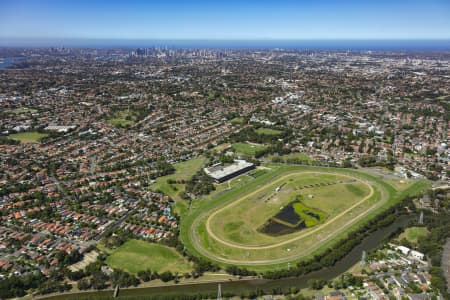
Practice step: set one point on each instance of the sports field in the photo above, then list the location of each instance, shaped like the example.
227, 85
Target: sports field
138, 255
28, 137
226, 229
248, 149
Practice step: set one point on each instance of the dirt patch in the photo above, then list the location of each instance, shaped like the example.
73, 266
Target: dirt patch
88, 258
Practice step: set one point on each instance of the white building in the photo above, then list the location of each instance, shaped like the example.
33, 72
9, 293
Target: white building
417, 255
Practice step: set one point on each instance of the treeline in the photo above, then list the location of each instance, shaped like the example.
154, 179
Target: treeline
371, 161
250, 134
7, 141
201, 265
161, 166
98, 280
291, 293
199, 184
299, 161
17, 286
432, 246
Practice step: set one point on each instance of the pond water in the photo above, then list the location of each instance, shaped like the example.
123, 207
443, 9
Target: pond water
288, 214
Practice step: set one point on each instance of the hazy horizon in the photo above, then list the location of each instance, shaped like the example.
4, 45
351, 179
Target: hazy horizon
225, 20
313, 44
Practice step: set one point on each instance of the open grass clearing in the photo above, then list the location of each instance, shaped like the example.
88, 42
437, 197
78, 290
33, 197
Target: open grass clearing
248, 149
137, 255
413, 234
123, 118
268, 131
238, 121
183, 171
28, 137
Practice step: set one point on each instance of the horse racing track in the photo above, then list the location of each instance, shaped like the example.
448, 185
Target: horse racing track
288, 214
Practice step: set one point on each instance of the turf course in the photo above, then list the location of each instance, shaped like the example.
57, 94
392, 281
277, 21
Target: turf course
138, 255
225, 229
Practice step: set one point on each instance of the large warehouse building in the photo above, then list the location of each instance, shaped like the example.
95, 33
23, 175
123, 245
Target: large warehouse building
222, 173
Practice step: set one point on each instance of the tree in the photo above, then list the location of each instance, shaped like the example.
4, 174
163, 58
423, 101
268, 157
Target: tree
166, 276
84, 284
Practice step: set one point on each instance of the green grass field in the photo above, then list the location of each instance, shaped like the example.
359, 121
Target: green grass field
237, 121
28, 137
138, 255
248, 149
224, 229
302, 210
184, 171
413, 234
268, 131
123, 118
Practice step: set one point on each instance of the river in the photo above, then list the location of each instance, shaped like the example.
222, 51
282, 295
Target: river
242, 286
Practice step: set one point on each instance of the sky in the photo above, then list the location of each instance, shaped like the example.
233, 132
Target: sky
225, 20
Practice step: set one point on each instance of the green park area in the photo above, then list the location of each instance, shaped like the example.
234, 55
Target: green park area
238, 121
123, 118
183, 171
247, 148
268, 131
28, 137
137, 255
413, 234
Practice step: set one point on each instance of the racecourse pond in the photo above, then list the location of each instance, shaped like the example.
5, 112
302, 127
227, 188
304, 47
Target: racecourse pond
241, 286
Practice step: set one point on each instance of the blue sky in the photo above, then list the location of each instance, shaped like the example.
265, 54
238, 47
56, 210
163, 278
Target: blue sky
173, 19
